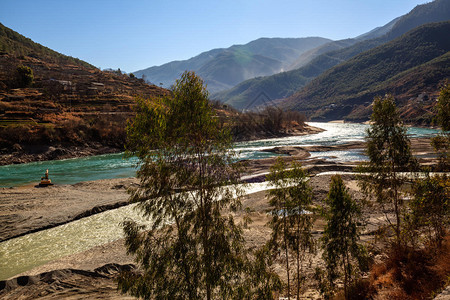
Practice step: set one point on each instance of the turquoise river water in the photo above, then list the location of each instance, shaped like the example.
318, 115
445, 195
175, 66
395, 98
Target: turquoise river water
70, 171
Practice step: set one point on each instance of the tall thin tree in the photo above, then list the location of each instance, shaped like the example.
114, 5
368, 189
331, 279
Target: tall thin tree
343, 254
193, 249
292, 220
389, 152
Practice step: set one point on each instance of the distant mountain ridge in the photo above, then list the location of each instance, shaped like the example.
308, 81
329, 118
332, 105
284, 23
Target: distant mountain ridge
285, 84
347, 90
225, 67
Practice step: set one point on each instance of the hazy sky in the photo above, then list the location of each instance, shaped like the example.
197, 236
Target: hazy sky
136, 34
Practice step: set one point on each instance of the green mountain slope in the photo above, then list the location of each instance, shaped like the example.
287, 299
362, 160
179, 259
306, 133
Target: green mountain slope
243, 94
223, 68
396, 67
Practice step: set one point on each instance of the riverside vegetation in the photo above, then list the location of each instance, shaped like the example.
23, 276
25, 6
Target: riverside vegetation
195, 247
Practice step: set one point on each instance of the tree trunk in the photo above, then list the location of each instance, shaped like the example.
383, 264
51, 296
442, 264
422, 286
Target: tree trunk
286, 251
397, 213
298, 259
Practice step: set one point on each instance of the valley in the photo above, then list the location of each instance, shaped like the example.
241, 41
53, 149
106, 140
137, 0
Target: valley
229, 174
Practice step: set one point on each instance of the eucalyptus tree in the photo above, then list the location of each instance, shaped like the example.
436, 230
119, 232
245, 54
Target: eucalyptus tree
430, 208
193, 248
292, 220
342, 253
442, 141
389, 152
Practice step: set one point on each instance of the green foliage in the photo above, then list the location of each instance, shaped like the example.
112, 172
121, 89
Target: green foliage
430, 208
25, 76
442, 142
443, 106
193, 249
270, 122
292, 221
264, 282
389, 152
343, 255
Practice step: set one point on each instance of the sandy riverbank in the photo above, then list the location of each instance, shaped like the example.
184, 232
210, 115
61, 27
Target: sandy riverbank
92, 272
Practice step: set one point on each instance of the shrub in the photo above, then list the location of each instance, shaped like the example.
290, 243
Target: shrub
25, 76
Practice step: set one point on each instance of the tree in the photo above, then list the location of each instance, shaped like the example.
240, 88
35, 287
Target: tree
25, 76
343, 255
264, 281
193, 249
389, 152
430, 207
442, 141
291, 223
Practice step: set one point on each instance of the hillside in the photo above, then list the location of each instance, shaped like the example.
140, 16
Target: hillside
245, 93
413, 64
69, 105
223, 68
13, 43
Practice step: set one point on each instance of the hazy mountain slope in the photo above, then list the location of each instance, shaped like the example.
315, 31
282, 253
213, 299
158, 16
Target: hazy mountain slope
336, 45
305, 58
231, 67
220, 67
169, 72
241, 95
378, 71
379, 31
283, 49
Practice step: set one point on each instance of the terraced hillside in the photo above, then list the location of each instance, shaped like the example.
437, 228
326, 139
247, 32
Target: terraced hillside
68, 107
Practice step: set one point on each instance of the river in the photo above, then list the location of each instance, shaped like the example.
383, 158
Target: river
108, 166
23, 253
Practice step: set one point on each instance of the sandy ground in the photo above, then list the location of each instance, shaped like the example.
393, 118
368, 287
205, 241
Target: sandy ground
91, 274
62, 278
27, 209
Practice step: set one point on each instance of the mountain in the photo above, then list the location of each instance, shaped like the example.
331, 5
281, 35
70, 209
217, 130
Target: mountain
379, 31
284, 85
14, 43
66, 107
413, 64
341, 44
223, 68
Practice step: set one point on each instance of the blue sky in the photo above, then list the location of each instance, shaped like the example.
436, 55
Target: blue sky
136, 34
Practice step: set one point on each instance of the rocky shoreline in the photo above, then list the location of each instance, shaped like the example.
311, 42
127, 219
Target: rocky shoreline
21, 155
25, 154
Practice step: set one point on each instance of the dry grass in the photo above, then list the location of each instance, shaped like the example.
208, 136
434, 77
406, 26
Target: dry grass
411, 273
